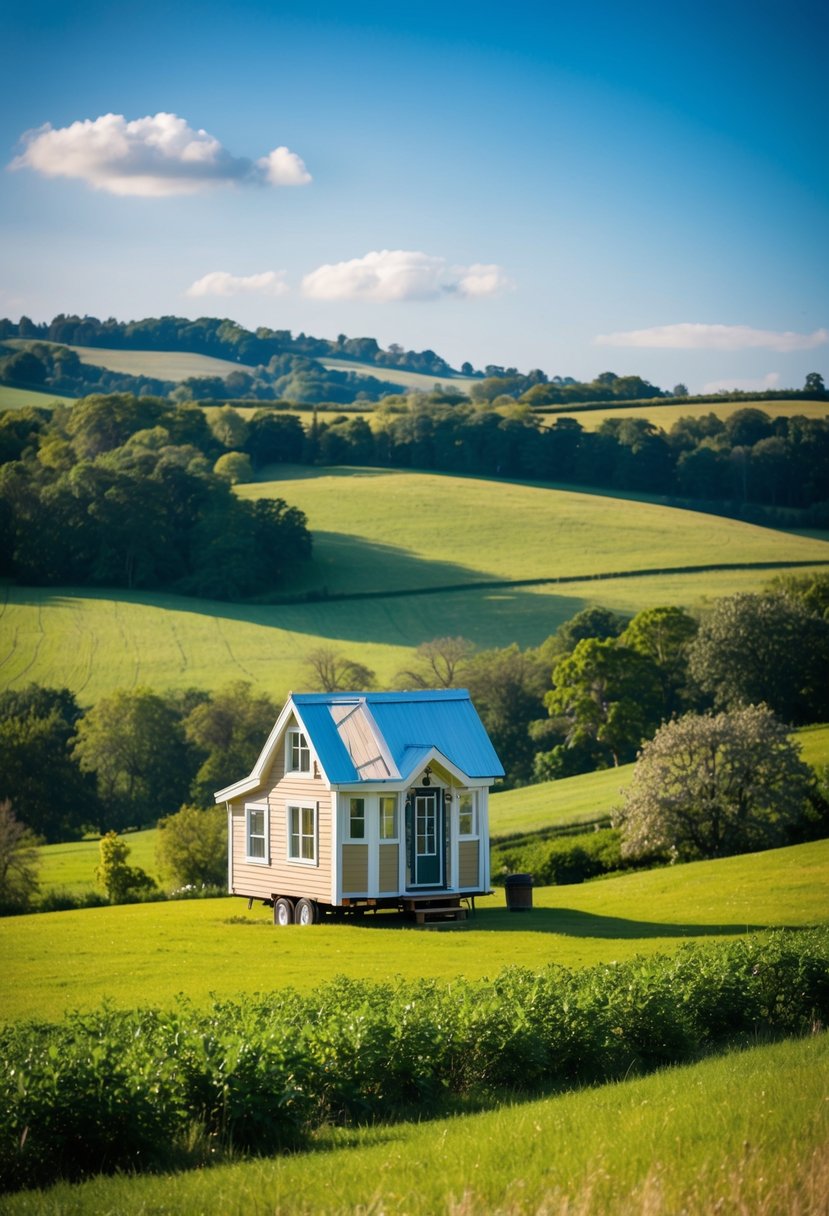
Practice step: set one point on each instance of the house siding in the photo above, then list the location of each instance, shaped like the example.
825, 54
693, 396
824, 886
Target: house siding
468, 851
389, 875
355, 869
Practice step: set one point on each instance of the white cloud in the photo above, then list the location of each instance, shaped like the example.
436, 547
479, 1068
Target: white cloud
283, 168
689, 336
758, 384
152, 157
394, 275
220, 283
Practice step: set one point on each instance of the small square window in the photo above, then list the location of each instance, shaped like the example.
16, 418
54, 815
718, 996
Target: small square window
388, 818
357, 818
256, 833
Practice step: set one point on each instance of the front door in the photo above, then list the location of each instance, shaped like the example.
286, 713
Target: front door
425, 832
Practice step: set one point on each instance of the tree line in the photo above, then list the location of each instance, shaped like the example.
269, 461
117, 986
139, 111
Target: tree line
130, 492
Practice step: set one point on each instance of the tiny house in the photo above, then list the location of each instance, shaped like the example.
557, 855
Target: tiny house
365, 800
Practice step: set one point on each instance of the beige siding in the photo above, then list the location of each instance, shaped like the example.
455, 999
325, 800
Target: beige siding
355, 869
281, 876
468, 863
389, 867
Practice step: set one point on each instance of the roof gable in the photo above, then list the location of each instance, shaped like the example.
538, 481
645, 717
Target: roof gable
365, 737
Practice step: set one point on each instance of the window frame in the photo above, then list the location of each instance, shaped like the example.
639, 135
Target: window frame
258, 808
393, 799
299, 807
350, 819
474, 834
302, 745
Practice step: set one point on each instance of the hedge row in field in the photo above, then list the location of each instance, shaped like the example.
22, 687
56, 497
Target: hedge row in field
144, 1089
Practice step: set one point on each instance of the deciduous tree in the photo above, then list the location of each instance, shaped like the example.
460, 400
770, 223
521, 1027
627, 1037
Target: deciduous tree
192, 846
19, 862
709, 786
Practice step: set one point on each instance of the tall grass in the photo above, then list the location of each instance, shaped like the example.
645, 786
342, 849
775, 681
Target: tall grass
745, 1134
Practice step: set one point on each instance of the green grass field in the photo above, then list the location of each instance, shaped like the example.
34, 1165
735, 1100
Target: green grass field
665, 416
744, 1134
406, 380
147, 953
392, 532
161, 365
17, 398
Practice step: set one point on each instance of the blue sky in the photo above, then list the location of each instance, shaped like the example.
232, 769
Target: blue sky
635, 187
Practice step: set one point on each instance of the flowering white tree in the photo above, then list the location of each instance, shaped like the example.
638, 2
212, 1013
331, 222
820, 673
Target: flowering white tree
711, 786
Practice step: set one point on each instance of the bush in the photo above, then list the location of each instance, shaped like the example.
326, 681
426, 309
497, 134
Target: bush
560, 861
127, 1090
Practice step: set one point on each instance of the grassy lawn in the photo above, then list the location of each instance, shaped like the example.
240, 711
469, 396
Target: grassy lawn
146, 953
71, 867
665, 416
745, 1133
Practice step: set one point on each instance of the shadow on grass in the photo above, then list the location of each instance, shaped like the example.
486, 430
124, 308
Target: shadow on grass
566, 922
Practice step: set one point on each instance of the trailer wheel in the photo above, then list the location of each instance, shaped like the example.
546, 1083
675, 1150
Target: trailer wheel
283, 912
305, 912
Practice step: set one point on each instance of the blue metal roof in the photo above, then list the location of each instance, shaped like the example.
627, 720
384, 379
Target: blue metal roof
409, 724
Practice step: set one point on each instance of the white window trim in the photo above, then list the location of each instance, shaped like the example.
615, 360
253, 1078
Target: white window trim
263, 807
388, 839
302, 806
476, 816
304, 773
366, 827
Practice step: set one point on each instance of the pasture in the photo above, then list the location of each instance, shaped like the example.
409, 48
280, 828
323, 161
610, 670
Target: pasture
159, 364
664, 415
144, 954
743, 1133
466, 531
420, 381
19, 398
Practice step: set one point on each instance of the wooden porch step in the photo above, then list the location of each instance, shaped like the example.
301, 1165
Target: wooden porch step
443, 912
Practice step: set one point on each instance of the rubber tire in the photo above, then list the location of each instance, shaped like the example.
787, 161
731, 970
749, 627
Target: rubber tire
305, 912
283, 912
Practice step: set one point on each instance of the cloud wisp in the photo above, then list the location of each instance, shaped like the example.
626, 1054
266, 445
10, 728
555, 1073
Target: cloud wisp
220, 283
151, 157
690, 336
397, 275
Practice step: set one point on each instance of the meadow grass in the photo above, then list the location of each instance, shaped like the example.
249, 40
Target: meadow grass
70, 867
742, 1134
391, 530
664, 416
19, 398
160, 365
140, 954
394, 375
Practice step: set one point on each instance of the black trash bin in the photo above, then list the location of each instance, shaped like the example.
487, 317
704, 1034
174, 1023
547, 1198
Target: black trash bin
519, 891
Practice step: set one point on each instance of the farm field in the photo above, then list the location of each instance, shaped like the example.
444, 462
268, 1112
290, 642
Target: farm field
160, 364
144, 954
469, 530
665, 416
752, 1126
18, 398
407, 380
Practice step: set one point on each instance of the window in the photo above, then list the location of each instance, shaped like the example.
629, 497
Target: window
298, 758
357, 818
388, 818
302, 834
467, 818
256, 833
